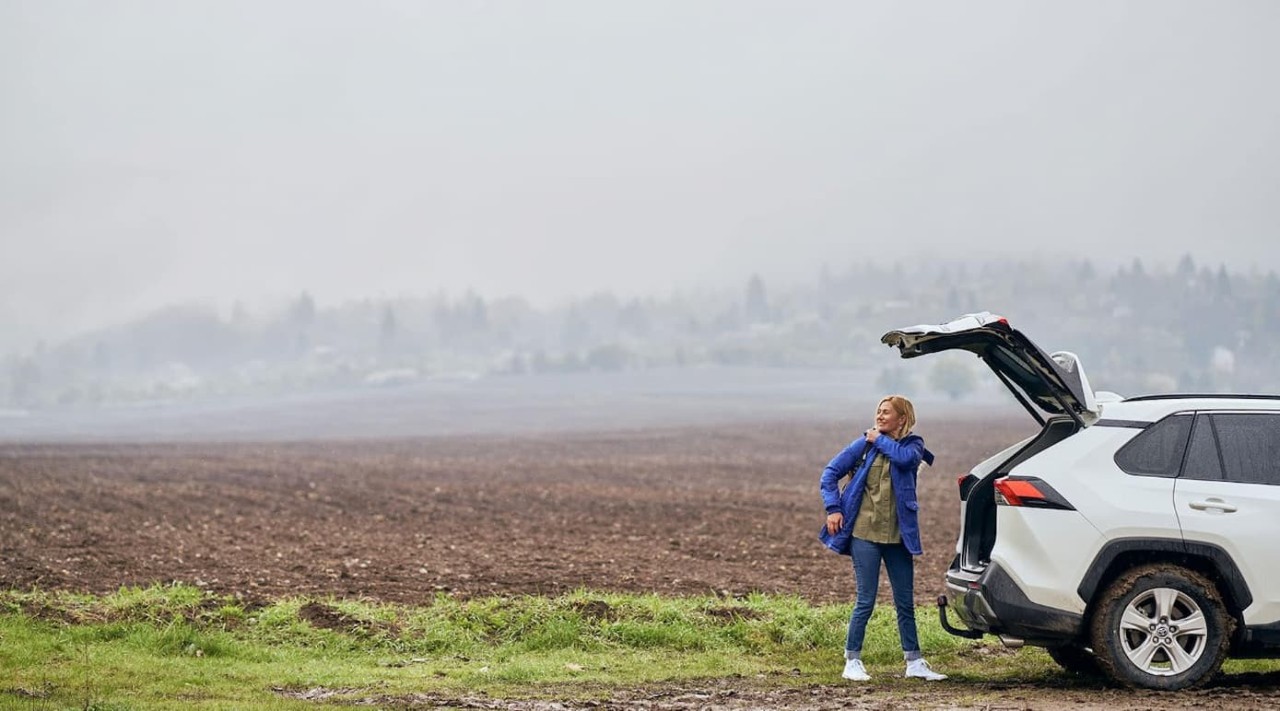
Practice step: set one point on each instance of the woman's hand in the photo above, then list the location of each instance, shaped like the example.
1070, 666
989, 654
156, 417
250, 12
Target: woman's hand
872, 434
834, 522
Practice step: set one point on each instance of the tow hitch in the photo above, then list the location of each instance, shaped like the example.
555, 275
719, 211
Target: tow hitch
942, 617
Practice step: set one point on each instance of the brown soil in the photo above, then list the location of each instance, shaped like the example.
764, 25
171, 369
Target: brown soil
723, 510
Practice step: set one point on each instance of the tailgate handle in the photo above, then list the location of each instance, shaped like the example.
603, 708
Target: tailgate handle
1212, 503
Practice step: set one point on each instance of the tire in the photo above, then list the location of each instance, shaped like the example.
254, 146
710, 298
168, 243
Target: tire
1162, 627
1075, 659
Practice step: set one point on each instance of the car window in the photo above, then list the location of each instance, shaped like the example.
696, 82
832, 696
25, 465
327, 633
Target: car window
1250, 445
1203, 461
1157, 450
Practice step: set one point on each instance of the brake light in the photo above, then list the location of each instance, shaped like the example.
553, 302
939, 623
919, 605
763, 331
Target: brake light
1016, 492
1029, 492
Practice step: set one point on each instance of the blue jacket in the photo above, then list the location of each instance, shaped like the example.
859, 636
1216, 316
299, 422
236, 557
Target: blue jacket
904, 459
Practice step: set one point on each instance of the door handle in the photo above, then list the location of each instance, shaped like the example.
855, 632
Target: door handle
1212, 503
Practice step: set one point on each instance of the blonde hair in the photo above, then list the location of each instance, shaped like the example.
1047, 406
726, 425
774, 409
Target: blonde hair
905, 410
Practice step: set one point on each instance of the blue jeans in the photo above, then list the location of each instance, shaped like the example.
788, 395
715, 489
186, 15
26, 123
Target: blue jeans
866, 571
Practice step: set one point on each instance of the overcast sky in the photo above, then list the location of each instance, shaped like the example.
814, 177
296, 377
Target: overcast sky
164, 151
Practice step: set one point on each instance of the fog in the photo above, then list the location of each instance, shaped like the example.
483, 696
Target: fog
531, 406
156, 152
238, 158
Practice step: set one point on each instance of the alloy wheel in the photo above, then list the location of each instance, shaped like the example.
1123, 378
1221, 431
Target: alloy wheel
1163, 632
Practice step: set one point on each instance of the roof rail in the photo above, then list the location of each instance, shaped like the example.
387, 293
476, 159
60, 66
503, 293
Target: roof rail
1189, 396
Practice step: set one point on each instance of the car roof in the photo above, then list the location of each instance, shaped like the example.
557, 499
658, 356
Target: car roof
1150, 408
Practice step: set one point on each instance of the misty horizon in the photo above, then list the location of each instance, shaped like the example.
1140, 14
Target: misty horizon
230, 307
1139, 329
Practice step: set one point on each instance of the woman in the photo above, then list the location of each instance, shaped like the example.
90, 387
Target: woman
875, 519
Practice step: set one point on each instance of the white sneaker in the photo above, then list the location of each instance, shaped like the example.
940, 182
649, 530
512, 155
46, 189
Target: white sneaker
919, 669
854, 671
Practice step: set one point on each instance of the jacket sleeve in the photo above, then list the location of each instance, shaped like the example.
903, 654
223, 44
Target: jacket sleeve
906, 454
837, 468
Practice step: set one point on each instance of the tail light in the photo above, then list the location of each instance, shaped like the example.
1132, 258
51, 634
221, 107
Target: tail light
1030, 492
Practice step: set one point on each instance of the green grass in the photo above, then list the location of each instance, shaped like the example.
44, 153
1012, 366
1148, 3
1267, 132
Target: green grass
175, 647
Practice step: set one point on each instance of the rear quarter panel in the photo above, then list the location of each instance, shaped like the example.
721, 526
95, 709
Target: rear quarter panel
1046, 552
1050, 551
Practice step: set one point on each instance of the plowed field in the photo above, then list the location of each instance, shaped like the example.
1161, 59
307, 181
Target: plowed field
694, 510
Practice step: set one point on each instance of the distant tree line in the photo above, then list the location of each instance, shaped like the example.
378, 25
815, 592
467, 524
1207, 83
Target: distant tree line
1136, 329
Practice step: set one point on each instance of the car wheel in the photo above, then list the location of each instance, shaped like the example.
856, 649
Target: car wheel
1161, 627
1075, 659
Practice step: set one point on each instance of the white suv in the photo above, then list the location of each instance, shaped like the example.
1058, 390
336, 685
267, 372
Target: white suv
1140, 536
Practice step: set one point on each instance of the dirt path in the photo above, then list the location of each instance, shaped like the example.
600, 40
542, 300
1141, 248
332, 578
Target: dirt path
1243, 693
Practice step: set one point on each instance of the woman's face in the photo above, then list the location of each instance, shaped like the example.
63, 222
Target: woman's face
888, 420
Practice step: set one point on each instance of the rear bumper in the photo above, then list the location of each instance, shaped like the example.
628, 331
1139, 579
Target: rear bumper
990, 601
